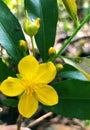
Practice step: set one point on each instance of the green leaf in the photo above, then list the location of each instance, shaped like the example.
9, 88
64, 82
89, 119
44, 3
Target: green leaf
5, 71
47, 11
10, 33
69, 72
71, 8
10, 102
72, 75
80, 63
74, 99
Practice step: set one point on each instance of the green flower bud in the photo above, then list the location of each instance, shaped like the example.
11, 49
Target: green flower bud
31, 27
59, 67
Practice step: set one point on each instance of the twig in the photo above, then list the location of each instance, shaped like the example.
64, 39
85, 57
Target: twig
80, 38
39, 119
73, 41
19, 121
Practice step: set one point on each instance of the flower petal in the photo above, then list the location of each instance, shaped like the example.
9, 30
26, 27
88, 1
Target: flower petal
27, 105
47, 72
28, 67
46, 95
12, 87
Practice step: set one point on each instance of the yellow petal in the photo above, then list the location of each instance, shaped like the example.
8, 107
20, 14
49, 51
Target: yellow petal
37, 22
28, 105
46, 73
11, 87
46, 95
28, 67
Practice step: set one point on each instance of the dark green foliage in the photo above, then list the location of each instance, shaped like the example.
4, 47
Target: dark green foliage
47, 11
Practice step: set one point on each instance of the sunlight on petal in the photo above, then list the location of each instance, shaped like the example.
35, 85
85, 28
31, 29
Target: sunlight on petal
46, 95
28, 105
12, 87
28, 67
47, 72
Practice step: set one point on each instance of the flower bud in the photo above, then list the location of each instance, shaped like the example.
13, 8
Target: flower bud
23, 45
52, 51
59, 67
31, 27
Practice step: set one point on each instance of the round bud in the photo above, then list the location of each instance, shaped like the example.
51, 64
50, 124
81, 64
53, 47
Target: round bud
59, 67
52, 51
23, 45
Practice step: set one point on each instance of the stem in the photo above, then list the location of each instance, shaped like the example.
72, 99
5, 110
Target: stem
71, 37
19, 121
32, 42
40, 119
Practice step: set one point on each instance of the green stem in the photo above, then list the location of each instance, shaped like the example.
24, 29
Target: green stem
71, 37
32, 42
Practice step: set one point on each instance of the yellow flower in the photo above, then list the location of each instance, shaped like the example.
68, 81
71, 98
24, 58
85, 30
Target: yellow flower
32, 84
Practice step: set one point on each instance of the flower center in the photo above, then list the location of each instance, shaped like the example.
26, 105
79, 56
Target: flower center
29, 85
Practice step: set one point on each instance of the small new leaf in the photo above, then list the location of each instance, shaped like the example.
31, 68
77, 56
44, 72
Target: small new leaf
71, 8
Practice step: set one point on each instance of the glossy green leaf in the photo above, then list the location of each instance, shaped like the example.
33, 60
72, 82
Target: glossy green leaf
10, 33
5, 71
74, 99
70, 72
47, 11
72, 75
80, 63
